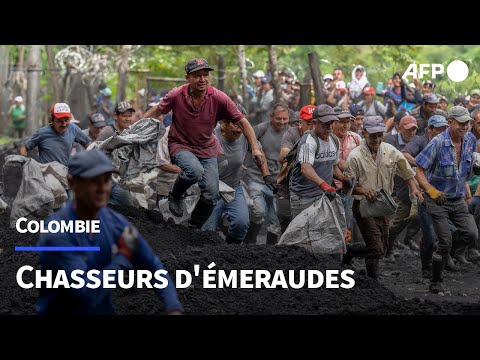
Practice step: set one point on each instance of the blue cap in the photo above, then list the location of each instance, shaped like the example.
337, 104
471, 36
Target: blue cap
355, 110
90, 164
373, 124
437, 121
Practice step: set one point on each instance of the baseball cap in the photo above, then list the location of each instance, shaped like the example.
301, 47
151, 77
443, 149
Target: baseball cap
373, 124
306, 112
259, 74
437, 121
18, 99
106, 92
399, 115
368, 90
408, 122
97, 120
123, 106
429, 82
441, 97
60, 110
196, 64
430, 98
328, 77
459, 113
342, 114
89, 164
356, 110
266, 79
475, 92
324, 113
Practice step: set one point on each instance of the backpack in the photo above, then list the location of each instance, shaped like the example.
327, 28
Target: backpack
292, 158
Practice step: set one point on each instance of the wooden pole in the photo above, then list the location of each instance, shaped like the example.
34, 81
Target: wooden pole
243, 76
317, 78
272, 58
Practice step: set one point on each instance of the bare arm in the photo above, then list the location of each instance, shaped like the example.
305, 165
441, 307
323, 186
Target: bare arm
337, 173
171, 168
342, 165
415, 191
23, 150
152, 113
249, 134
422, 179
283, 153
409, 158
311, 174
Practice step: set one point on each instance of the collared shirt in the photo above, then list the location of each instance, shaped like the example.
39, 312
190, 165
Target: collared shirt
417, 144
439, 160
192, 129
379, 173
85, 300
348, 143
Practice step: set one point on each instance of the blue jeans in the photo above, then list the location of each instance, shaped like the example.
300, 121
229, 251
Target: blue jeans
347, 201
203, 171
264, 206
120, 196
236, 212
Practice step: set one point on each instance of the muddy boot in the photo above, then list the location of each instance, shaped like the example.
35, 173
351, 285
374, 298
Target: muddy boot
231, 240
271, 238
372, 268
176, 195
460, 256
354, 250
412, 245
450, 265
201, 212
426, 268
438, 264
473, 255
253, 230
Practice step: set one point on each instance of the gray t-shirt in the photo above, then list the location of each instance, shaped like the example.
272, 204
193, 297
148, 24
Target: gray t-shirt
270, 141
322, 164
291, 136
230, 162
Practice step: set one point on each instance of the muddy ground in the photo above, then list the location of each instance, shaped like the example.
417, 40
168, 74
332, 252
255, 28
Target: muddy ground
400, 290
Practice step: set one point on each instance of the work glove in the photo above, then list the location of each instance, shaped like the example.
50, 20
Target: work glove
329, 191
436, 195
347, 181
271, 183
128, 242
474, 205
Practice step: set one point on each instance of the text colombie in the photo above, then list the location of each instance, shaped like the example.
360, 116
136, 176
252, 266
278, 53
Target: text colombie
54, 226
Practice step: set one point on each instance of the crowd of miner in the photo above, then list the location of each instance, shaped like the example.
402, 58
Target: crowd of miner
411, 145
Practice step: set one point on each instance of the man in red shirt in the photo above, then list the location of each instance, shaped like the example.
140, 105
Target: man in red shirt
197, 107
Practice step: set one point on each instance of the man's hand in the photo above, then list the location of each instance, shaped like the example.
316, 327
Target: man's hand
327, 188
258, 156
271, 183
370, 194
128, 242
474, 205
347, 181
436, 195
417, 194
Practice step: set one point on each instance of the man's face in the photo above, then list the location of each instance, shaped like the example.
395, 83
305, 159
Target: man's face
230, 131
124, 120
257, 81
94, 131
356, 123
373, 140
324, 129
341, 127
397, 81
407, 134
429, 109
91, 194
442, 105
279, 119
338, 75
474, 99
198, 80
476, 125
60, 125
427, 88
305, 126
434, 131
457, 128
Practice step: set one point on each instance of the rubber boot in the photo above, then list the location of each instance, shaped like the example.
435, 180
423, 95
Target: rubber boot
438, 264
176, 195
372, 267
201, 212
253, 230
271, 238
426, 268
460, 256
389, 256
354, 250
450, 265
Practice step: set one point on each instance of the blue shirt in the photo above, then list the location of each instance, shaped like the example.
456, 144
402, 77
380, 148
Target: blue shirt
94, 301
56, 147
439, 161
417, 144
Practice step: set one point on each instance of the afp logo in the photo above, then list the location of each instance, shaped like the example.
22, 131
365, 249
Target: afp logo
457, 70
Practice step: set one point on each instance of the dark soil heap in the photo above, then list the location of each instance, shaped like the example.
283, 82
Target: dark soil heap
180, 248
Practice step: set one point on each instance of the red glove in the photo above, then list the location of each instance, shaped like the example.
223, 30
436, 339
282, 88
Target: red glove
327, 187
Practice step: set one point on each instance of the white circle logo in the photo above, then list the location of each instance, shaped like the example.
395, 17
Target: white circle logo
457, 70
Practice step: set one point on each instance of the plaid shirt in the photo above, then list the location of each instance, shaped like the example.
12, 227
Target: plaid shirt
440, 163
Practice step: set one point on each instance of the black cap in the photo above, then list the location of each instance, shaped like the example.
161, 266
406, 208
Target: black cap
123, 106
196, 64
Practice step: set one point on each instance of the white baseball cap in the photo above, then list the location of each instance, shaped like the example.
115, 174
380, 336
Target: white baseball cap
18, 99
328, 77
259, 74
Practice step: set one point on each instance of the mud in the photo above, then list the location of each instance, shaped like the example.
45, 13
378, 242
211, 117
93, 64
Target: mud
400, 290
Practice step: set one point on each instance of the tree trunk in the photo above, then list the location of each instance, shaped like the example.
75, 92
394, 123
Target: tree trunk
54, 80
34, 67
221, 73
272, 59
122, 72
317, 78
4, 91
19, 83
305, 91
243, 76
